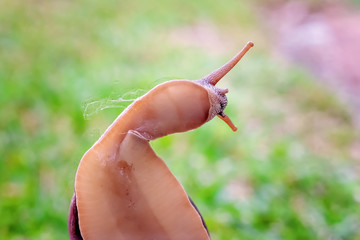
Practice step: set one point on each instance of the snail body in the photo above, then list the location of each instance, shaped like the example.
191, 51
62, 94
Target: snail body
123, 190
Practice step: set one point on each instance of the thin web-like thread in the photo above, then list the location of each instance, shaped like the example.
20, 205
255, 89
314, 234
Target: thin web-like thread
94, 107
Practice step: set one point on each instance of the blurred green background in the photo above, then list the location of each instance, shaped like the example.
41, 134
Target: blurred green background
290, 172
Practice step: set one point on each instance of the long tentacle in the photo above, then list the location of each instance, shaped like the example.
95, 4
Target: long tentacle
219, 73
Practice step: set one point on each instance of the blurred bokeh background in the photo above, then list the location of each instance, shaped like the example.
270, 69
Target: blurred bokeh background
292, 171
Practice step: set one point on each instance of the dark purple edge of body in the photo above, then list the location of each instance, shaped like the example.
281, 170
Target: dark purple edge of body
73, 223
202, 219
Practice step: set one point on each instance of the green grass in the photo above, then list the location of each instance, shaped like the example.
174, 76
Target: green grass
290, 172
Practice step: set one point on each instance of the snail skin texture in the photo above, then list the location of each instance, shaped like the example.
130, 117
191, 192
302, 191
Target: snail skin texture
123, 190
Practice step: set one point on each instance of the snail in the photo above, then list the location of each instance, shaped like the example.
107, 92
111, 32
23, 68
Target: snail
123, 190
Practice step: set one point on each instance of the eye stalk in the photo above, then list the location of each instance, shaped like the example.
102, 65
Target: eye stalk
214, 77
218, 96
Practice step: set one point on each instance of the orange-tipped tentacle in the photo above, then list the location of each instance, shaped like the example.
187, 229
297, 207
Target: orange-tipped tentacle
215, 76
227, 120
